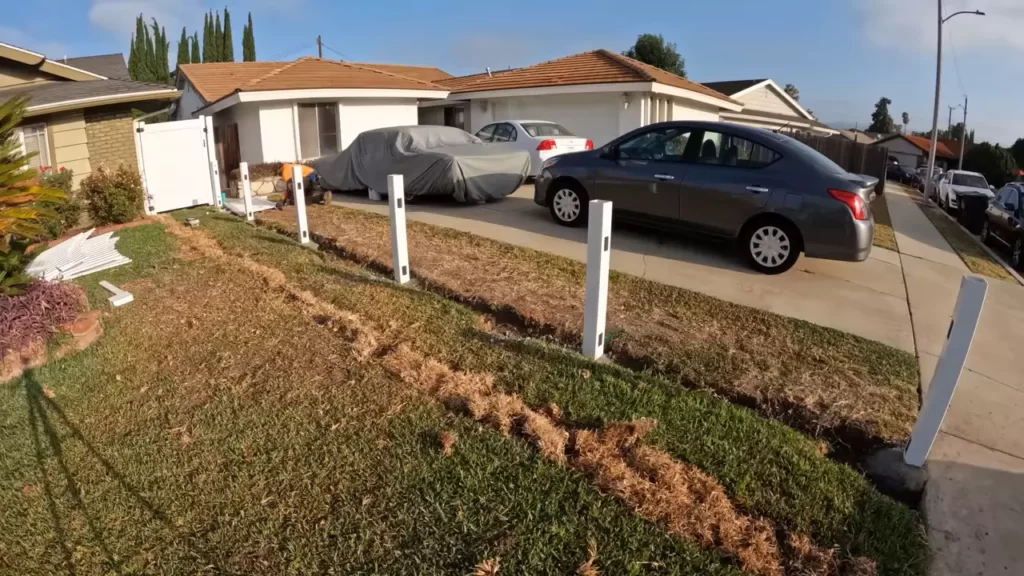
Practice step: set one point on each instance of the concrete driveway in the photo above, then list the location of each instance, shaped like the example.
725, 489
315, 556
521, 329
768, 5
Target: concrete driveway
865, 298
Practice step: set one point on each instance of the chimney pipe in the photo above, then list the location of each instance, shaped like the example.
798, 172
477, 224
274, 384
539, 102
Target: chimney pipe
489, 71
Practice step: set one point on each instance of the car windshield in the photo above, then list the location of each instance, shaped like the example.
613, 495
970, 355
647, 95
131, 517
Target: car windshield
972, 180
537, 129
819, 160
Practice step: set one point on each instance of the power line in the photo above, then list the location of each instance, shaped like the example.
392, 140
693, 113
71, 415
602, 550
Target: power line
289, 52
956, 63
343, 56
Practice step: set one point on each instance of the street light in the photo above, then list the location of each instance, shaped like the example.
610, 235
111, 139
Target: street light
938, 86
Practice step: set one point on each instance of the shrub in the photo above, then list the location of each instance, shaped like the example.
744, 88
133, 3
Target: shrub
264, 170
69, 213
25, 206
37, 313
113, 196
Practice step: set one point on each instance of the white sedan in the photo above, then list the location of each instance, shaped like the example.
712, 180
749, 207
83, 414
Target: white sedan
956, 183
542, 139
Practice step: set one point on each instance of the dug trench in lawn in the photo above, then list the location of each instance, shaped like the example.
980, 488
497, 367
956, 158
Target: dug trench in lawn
854, 393
679, 496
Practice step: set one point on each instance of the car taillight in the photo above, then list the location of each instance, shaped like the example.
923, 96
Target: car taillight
590, 144
853, 200
548, 144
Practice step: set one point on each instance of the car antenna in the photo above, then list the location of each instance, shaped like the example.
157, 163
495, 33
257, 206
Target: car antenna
783, 127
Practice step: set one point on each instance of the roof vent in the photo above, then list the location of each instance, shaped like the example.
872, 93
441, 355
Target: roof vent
489, 71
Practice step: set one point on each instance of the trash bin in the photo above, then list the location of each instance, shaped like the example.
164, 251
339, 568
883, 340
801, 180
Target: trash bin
972, 212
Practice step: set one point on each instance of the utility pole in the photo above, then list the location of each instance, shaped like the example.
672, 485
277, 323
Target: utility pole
938, 87
320, 48
963, 137
949, 123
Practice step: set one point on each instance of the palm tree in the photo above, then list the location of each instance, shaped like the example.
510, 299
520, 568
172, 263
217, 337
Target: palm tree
906, 122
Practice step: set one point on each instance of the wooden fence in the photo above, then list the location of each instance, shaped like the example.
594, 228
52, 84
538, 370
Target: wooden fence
852, 156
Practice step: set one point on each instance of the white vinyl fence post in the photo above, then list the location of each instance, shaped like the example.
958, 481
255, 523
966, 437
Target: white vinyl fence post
299, 195
138, 128
243, 169
215, 179
966, 314
396, 213
595, 309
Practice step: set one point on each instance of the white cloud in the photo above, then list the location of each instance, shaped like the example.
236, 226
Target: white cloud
23, 39
912, 23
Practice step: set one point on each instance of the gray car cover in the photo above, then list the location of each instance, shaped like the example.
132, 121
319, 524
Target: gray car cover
435, 161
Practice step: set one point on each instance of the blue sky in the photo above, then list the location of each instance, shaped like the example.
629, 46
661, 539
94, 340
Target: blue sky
842, 54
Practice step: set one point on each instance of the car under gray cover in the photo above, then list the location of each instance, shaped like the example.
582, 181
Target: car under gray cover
434, 161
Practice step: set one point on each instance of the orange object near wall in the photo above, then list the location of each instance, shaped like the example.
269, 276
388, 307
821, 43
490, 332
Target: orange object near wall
286, 171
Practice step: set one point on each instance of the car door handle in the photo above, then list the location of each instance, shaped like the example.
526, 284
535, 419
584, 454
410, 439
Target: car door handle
757, 189
664, 177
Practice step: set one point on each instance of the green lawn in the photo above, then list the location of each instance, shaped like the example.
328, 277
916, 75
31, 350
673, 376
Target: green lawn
216, 429
968, 248
885, 237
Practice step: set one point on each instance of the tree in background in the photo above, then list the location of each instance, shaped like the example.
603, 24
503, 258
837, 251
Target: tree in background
217, 44
652, 49
1017, 151
951, 134
184, 56
792, 91
207, 38
196, 57
227, 50
906, 121
881, 121
161, 49
248, 42
994, 162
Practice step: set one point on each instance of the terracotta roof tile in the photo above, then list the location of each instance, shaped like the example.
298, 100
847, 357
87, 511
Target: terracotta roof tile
456, 82
941, 149
425, 73
216, 80
594, 67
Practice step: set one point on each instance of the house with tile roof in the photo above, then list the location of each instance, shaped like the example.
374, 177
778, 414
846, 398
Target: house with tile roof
598, 95
79, 111
305, 108
766, 105
912, 151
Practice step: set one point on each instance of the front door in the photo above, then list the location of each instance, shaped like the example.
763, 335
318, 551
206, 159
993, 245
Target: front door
726, 182
641, 175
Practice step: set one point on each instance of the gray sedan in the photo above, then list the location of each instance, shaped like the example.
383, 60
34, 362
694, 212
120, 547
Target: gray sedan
773, 195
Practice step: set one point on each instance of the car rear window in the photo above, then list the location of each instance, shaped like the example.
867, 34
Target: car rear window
538, 129
972, 180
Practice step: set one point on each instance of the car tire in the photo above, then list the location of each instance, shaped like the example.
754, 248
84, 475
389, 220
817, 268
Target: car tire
1017, 254
568, 203
985, 235
770, 246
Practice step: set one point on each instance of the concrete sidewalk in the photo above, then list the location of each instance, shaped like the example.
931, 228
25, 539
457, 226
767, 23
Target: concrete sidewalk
863, 298
974, 501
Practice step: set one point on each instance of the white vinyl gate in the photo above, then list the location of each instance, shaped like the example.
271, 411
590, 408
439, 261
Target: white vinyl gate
175, 163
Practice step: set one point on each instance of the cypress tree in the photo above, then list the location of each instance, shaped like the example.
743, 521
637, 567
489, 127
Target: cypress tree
139, 69
183, 54
249, 43
218, 40
228, 47
150, 60
131, 58
196, 58
207, 39
165, 53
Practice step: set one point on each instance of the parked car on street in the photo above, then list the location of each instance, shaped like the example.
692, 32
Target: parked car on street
957, 183
900, 174
433, 160
1003, 221
542, 139
773, 195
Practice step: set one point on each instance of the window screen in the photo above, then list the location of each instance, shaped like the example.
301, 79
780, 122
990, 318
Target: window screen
34, 143
327, 119
309, 142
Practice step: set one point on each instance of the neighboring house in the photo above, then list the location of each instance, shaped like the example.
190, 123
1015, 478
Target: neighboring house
598, 95
80, 109
766, 105
912, 151
306, 108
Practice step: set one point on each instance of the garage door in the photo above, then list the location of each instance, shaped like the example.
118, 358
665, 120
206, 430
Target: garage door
175, 164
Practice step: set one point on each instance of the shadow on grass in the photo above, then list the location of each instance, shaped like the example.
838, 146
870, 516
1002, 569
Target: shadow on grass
44, 417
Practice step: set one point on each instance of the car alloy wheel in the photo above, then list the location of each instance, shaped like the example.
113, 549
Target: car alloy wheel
566, 204
1018, 247
770, 246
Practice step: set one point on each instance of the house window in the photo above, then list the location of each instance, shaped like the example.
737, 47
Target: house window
33, 141
318, 129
